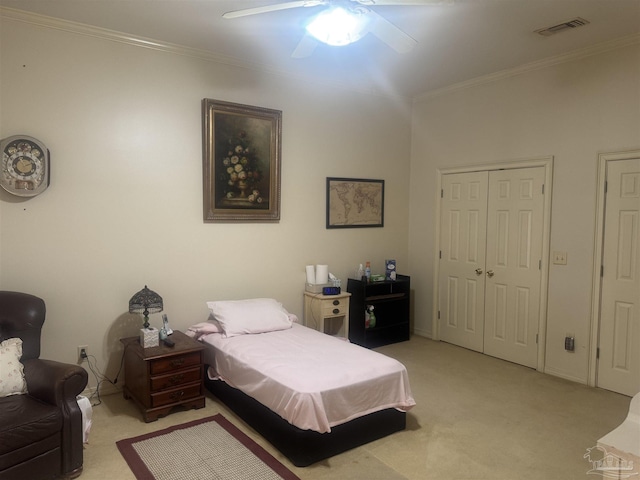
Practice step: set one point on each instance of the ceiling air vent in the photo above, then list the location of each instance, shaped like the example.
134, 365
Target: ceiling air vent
561, 27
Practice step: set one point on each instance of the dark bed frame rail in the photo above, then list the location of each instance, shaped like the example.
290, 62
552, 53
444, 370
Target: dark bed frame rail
304, 447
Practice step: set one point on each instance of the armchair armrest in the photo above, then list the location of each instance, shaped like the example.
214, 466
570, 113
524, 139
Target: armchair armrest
54, 382
59, 384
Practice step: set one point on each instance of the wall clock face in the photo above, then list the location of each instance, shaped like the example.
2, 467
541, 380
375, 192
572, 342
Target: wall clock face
25, 166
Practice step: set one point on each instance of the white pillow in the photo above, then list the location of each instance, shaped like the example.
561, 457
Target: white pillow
257, 315
11, 370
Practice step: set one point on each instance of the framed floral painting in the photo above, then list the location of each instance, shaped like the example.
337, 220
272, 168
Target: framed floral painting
355, 203
241, 162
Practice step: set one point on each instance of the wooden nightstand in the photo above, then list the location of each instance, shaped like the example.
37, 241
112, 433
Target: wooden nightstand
327, 313
161, 378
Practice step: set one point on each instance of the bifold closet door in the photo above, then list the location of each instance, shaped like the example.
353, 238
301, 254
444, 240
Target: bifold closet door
462, 258
490, 256
513, 264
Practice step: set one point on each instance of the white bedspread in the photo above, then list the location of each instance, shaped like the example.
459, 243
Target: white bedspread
312, 380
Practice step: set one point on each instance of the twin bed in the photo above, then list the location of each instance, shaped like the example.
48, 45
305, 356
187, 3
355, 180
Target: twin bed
309, 394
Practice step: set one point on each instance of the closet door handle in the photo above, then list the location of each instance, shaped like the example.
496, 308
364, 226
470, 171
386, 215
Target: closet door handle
478, 271
489, 273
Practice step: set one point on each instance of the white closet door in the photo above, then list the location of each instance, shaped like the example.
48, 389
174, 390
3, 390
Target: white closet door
463, 234
619, 362
513, 275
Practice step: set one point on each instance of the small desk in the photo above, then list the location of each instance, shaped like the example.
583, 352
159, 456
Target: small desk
161, 378
327, 313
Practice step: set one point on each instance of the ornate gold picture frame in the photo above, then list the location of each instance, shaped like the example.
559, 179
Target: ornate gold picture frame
241, 162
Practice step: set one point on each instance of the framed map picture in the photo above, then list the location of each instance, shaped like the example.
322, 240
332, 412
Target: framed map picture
355, 203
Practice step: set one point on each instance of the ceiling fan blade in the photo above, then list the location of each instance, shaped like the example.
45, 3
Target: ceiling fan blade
390, 34
306, 47
272, 8
374, 3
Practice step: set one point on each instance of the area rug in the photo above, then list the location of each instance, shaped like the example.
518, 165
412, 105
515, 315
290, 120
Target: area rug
210, 448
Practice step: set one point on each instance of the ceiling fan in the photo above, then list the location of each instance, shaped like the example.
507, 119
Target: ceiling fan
342, 22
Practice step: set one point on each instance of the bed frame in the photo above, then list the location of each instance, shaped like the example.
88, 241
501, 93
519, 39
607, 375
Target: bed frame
304, 447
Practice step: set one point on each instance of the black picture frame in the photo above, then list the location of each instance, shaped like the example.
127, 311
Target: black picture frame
355, 203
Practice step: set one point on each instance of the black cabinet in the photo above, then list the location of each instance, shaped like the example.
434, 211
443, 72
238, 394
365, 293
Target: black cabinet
390, 300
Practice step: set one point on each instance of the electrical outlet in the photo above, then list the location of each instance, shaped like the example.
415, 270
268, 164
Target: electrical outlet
83, 351
559, 258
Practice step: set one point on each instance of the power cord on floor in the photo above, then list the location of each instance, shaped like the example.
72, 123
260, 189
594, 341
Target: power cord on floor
100, 377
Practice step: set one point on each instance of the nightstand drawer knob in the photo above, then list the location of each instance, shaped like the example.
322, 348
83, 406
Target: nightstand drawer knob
336, 311
177, 362
177, 395
336, 302
176, 379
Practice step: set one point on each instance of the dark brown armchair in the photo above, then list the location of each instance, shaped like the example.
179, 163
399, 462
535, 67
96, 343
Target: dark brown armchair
41, 431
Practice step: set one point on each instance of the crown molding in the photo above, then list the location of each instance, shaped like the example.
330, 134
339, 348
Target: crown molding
532, 66
143, 42
115, 36
167, 47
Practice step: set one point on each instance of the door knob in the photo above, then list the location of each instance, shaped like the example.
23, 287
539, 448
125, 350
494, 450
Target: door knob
478, 271
489, 273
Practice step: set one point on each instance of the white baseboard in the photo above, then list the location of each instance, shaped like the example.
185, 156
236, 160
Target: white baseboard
565, 375
422, 333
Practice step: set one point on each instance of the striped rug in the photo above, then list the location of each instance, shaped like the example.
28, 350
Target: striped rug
210, 448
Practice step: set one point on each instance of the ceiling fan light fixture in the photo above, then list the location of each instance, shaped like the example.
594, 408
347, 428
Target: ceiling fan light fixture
338, 27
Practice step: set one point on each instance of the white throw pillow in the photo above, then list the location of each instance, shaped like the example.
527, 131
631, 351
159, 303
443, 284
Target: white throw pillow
12, 380
257, 315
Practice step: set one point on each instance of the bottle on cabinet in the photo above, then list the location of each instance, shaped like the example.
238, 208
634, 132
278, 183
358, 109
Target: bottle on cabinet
367, 271
370, 317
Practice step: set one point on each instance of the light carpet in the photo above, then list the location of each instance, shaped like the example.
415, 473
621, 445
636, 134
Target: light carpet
209, 448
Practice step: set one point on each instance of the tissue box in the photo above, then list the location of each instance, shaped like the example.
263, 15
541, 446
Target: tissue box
149, 337
390, 269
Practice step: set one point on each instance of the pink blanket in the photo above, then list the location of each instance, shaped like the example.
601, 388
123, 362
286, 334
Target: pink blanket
312, 380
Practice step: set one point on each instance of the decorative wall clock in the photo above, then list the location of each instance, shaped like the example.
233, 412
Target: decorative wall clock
25, 166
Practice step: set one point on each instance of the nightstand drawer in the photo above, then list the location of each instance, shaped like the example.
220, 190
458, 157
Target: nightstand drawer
336, 307
174, 396
170, 364
173, 380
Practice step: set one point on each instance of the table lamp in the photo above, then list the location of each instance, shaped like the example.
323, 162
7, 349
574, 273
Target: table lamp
145, 302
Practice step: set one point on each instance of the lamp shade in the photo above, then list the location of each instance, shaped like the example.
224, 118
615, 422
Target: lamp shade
146, 301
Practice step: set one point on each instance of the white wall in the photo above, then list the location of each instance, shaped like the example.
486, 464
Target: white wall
572, 111
124, 209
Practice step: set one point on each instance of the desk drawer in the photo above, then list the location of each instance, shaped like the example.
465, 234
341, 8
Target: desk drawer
176, 395
176, 379
176, 362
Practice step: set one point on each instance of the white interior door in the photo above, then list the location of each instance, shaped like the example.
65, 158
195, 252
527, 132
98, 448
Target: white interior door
489, 281
619, 359
513, 264
462, 258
